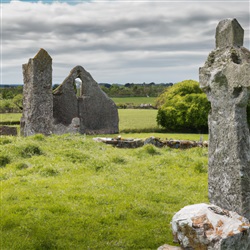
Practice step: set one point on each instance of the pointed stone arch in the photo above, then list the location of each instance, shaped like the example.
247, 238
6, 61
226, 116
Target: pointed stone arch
97, 112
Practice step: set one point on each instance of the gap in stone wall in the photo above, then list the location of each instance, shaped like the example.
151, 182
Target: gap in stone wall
78, 87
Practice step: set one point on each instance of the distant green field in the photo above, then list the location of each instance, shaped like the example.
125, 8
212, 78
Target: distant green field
10, 118
138, 120
134, 100
139, 123
131, 120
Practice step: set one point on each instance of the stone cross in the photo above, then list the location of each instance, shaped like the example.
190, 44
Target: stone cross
225, 78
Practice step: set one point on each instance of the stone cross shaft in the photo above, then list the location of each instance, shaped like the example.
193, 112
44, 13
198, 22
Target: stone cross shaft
225, 78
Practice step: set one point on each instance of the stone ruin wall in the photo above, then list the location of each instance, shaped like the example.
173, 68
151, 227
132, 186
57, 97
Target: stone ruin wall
96, 112
93, 112
38, 102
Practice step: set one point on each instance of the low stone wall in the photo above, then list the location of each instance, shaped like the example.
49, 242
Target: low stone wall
6, 130
135, 143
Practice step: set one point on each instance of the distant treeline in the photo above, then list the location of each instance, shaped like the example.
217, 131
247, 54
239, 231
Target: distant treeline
4, 86
10, 91
113, 90
134, 89
11, 95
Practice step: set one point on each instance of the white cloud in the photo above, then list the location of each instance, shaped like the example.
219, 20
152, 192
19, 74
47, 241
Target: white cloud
116, 41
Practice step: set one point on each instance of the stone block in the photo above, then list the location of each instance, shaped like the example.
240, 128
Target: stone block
209, 227
229, 33
168, 247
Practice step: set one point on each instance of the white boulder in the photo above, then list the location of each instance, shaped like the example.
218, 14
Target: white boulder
210, 227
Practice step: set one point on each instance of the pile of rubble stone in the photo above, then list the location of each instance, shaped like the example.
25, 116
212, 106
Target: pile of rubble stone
135, 143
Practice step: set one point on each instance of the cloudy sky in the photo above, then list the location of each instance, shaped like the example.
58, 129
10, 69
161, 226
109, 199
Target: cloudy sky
116, 41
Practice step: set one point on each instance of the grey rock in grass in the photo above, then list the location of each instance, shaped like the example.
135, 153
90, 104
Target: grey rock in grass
225, 78
37, 95
168, 247
72, 128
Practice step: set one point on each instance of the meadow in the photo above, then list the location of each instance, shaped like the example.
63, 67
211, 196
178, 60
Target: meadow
10, 118
70, 192
130, 120
135, 123
134, 100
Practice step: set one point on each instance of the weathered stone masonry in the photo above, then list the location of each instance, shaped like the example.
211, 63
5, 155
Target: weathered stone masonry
225, 78
38, 101
97, 113
62, 111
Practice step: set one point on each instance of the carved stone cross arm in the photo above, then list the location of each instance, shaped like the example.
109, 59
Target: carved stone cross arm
229, 64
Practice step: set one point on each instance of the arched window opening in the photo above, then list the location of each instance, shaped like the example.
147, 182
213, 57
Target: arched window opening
78, 86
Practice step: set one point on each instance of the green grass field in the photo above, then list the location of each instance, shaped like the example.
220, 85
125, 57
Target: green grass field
131, 120
137, 120
10, 118
134, 123
69, 192
134, 100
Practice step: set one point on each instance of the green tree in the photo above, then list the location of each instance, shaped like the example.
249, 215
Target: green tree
183, 107
7, 94
18, 101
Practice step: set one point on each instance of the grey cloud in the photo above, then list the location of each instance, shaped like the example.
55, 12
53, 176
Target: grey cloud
117, 34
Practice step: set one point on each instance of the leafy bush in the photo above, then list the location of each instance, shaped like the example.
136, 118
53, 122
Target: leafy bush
200, 167
183, 107
18, 101
119, 160
11, 100
30, 150
4, 160
21, 166
4, 141
49, 171
151, 149
75, 156
7, 106
39, 137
